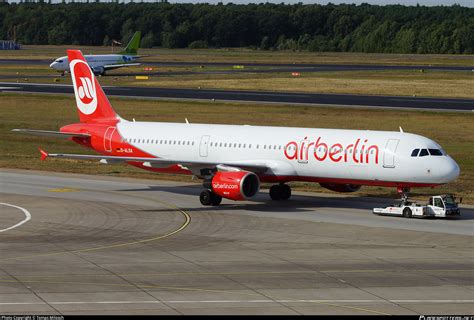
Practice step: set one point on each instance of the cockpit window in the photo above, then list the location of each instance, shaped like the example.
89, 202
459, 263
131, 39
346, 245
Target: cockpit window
414, 153
424, 152
60, 61
435, 152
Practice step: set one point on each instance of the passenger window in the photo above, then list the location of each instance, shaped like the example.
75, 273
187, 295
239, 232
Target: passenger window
435, 152
414, 153
423, 153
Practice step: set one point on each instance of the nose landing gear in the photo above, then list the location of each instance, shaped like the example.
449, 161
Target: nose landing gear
280, 192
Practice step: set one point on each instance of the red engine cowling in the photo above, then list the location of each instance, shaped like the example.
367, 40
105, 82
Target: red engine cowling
339, 187
235, 185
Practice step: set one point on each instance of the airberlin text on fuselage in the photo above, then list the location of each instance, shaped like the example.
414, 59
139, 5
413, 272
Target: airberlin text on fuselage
357, 152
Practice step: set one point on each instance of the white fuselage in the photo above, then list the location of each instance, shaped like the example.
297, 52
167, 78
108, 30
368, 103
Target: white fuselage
95, 61
348, 156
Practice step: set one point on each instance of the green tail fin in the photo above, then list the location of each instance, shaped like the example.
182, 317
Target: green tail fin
133, 44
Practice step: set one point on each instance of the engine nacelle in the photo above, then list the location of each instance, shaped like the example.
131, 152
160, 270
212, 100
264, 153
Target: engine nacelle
235, 185
339, 187
98, 71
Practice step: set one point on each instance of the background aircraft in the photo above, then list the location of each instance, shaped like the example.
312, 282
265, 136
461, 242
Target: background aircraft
233, 160
100, 63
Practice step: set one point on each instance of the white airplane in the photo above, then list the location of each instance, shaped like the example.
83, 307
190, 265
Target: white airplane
100, 63
233, 160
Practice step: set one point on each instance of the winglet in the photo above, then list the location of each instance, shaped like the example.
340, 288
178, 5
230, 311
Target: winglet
44, 155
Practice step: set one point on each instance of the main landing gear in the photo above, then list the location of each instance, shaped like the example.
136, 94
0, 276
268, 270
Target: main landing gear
280, 192
209, 198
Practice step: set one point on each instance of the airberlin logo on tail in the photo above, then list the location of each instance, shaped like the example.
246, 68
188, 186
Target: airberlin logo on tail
84, 86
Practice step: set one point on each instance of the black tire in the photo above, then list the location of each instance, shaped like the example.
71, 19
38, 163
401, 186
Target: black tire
206, 197
407, 213
275, 192
215, 199
285, 191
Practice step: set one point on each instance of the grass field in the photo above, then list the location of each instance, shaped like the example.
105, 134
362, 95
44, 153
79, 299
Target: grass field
395, 83
454, 131
243, 55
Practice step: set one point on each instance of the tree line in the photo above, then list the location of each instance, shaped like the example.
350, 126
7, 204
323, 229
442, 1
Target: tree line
266, 26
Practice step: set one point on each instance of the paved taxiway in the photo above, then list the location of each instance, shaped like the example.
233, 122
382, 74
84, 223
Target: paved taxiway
441, 104
116, 245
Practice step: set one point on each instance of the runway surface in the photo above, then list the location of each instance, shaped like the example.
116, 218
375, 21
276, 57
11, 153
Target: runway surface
108, 245
441, 104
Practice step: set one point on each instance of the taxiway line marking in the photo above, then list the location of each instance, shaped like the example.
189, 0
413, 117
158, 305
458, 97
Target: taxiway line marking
64, 190
26, 212
183, 226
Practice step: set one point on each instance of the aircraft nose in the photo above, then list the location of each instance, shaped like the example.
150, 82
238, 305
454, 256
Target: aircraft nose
53, 65
451, 170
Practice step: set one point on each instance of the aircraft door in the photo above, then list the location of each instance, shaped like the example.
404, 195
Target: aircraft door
203, 146
389, 153
108, 138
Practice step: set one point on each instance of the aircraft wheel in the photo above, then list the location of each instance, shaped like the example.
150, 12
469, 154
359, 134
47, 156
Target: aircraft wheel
407, 213
285, 191
206, 197
215, 199
275, 192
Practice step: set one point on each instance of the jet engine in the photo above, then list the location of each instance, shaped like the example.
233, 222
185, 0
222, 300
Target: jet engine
235, 185
340, 187
98, 71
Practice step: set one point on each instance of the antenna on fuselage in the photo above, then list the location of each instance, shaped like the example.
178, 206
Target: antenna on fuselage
186, 119
401, 130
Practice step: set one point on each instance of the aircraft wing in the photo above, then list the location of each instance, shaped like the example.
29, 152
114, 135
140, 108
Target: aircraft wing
54, 134
257, 167
120, 65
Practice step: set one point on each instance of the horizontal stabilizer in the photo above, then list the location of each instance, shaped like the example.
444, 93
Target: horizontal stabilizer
44, 155
54, 134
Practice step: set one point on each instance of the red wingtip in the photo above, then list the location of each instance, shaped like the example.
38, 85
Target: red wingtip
44, 155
